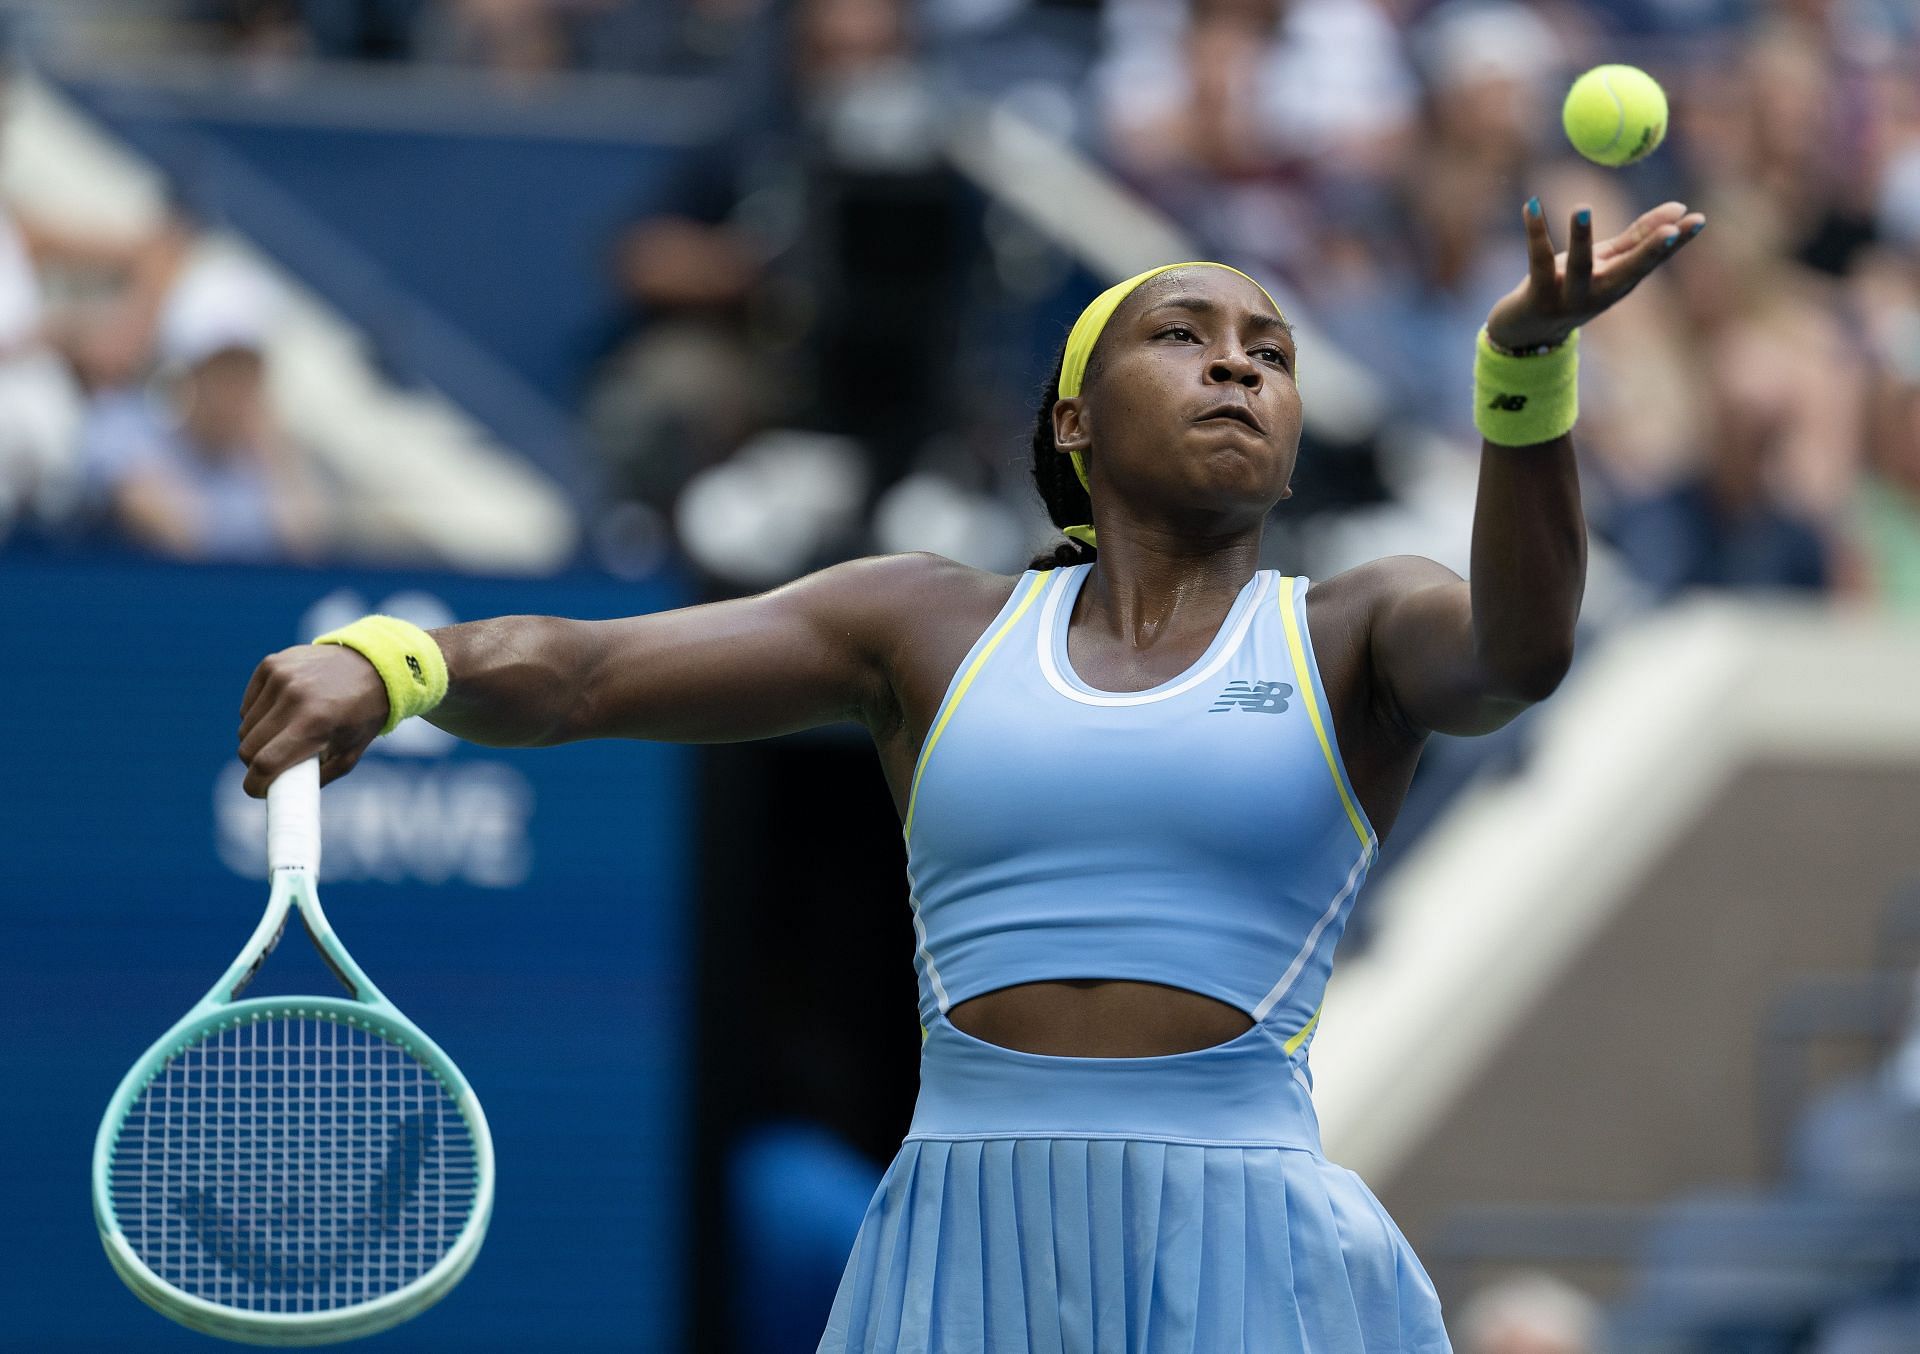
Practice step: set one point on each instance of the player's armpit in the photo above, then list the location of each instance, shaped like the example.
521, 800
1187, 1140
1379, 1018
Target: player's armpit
1429, 667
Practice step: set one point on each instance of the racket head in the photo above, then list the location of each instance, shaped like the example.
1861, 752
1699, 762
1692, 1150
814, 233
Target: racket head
388, 1143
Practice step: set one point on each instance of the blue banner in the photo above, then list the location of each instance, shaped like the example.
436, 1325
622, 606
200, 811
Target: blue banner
529, 909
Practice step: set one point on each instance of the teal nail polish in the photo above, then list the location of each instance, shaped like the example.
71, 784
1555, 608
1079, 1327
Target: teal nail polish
1533, 206
1583, 217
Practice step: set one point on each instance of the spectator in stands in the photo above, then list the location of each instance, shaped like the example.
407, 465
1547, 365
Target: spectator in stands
1492, 73
264, 31
361, 30
1528, 1313
523, 41
40, 400
1238, 116
1888, 513
1783, 392
1789, 114
1884, 562
39, 403
735, 40
520, 41
1726, 525
1429, 248
824, 248
700, 276
203, 471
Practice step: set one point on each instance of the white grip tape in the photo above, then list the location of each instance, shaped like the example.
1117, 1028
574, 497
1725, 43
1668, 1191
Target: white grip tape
293, 818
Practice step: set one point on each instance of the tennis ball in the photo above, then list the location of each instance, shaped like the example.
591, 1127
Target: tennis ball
1614, 115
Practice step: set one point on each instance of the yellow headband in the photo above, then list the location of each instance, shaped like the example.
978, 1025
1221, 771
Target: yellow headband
1086, 332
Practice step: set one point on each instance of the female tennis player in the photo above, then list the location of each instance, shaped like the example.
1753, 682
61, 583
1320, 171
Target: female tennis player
1140, 784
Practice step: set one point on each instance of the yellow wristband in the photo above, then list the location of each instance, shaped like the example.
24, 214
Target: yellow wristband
1523, 401
410, 664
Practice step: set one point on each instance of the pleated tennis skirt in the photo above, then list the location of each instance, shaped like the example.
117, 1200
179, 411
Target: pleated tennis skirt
1166, 1205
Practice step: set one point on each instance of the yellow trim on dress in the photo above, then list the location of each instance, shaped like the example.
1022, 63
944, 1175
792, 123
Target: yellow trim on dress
1305, 679
973, 669
1292, 1046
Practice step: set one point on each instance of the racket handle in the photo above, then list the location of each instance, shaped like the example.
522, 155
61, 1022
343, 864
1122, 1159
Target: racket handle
293, 818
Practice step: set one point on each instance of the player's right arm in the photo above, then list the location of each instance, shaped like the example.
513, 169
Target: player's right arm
814, 651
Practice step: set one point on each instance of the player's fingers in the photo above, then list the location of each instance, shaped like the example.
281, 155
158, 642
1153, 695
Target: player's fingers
336, 764
1663, 245
1580, 259
267, 690
270, 718
1540, 269
1628, 272
288, 748
254, 683
1648, 224
267, 705
261, 705
1671, 246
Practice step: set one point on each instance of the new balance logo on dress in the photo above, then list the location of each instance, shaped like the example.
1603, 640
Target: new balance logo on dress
1268, 698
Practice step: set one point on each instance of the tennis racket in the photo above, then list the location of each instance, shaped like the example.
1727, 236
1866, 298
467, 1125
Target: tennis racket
293, 1170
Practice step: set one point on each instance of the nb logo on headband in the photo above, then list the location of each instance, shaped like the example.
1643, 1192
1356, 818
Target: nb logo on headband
1267, 698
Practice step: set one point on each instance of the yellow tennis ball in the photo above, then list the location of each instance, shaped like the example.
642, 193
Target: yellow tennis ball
1614, 115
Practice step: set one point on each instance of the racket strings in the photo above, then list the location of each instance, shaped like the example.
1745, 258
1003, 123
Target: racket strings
293, 1164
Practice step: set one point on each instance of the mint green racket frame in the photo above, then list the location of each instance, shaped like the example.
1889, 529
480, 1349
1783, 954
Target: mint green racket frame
293, 853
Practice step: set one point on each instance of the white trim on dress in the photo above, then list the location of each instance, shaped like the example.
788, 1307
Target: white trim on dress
1044, 644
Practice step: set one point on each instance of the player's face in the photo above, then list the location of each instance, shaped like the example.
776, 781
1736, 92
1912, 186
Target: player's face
1192, 401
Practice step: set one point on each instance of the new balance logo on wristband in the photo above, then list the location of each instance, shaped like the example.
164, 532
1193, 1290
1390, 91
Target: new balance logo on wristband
1254, 697
413, 666
1511, 404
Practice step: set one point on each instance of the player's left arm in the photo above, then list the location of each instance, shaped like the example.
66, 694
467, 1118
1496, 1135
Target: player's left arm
1460, 657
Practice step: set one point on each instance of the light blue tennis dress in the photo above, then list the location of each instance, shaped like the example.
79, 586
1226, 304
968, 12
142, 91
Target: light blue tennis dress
1201, 834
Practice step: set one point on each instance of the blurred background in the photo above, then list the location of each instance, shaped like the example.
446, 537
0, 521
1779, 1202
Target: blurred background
453, 308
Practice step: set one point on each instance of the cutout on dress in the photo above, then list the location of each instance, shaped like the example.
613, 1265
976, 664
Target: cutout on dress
1189, 1023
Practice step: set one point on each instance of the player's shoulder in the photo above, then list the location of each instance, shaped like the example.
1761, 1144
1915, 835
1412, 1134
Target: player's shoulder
1364, 588
909, 613
1343, 610
912, 575
917, 567
903, 592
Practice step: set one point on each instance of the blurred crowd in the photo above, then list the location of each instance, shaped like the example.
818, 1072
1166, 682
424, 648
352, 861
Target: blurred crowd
834, 339
1750, 419
134, 399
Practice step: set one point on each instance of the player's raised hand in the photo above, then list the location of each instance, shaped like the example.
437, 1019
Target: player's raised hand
313, 700
1563, 291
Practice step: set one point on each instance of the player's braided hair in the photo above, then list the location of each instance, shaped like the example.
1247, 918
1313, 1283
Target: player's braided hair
1067, 502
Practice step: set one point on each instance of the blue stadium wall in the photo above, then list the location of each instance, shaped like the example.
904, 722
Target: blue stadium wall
529, 908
